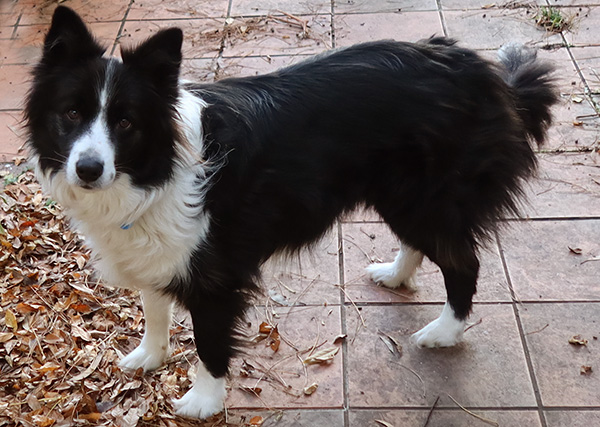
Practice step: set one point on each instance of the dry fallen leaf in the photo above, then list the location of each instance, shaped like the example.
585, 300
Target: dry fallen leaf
338, 339
576, 251
585, 370
256, 391
11, 320
310, 389
322, 356
578, 340
256, 421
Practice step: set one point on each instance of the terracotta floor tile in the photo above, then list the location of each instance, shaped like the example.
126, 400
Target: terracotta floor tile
573, 107
566, 136
303, 327
14, 83
408, 26
311, 278
255, 65
259, 36
279, 7
177, 9
491, 28
380, 6
201, 70
26, 47
541, 265
487, 370
572, 418
12, 135
41, 12
585, 25
556, 363
201, 37
588, 59
6, 32
288, 418
567, 185
481, 4
443, 418
360, 250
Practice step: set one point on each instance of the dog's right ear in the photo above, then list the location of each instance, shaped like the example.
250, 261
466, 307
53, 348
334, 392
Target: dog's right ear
68, 39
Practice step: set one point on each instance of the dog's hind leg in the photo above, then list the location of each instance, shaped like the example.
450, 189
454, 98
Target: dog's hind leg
153, 350
460, 279
400, 272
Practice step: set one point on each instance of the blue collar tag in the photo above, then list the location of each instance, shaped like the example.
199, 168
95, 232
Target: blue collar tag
126, 226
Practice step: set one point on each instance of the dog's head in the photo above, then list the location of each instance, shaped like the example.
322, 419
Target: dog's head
94, 118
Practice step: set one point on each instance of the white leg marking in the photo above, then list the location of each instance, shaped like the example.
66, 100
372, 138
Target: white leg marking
205, 398
400, 272
154, 348
445, 331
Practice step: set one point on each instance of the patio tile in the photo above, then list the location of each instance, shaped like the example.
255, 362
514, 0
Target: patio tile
572, 418
556, 363
288, 418
12, 135
201, 37
177, 9
487, 370
381, 6
484, 4
282, 375
14, 83
366, 243
573, 108
588, 59
443, 418
201, 70
279, 7
26, 47
490, 29
255, 65
567, 185
567, 136
272, 35
406, 26
543, 268
310, 278
585, 25
34, 12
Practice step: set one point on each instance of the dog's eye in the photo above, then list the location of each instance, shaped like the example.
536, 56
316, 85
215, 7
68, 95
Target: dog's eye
124, 124
72, 115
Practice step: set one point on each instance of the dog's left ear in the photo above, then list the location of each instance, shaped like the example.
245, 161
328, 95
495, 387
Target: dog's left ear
158, 58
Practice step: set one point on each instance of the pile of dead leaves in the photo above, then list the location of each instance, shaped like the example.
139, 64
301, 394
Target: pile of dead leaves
61, 334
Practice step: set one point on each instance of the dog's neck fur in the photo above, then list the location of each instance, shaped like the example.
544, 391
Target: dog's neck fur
160, 219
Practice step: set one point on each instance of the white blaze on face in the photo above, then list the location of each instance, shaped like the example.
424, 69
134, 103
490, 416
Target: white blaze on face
94, 147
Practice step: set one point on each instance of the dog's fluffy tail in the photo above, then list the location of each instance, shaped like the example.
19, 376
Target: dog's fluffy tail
533, 86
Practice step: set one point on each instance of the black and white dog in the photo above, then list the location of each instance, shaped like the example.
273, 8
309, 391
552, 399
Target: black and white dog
183, 190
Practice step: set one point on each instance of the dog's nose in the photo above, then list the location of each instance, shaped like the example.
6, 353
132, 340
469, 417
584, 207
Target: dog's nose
89, 169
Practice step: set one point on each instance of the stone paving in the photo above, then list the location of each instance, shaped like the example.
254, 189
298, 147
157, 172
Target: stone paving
539, 283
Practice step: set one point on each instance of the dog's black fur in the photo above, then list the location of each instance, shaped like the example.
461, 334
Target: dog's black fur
430, 135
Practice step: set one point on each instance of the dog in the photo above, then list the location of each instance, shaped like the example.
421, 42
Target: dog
183, 190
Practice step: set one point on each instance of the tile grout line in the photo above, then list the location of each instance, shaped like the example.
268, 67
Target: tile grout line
345, 387
528, 361
442, 17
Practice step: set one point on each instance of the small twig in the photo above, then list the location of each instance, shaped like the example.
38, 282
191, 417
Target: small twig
474, 324
539, 330
431, 411
479, 417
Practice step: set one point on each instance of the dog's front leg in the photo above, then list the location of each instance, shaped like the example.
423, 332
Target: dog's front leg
153, 350
215, 318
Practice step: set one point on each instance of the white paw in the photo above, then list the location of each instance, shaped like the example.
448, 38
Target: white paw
445, 331
387, 275
205, 398
144, 356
